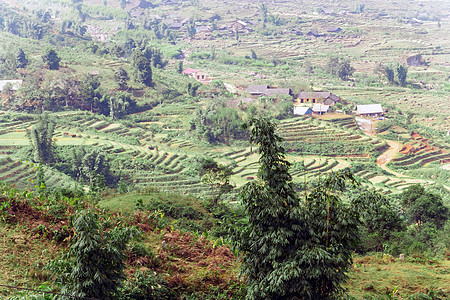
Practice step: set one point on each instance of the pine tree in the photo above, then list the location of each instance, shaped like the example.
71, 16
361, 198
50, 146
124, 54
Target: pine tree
52, 59
21, 60
293, 250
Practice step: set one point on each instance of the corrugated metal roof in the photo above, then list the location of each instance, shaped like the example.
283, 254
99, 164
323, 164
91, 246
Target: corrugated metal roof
273, 92
320, 108
369, 109
257, 89
301, 110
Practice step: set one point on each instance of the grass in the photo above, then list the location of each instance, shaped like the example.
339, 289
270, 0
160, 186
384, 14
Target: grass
375, 276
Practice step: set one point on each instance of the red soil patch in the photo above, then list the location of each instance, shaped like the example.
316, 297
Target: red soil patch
37, 222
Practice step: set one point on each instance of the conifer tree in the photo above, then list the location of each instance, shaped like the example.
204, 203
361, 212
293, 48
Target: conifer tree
21, 59
41, 137
293, 249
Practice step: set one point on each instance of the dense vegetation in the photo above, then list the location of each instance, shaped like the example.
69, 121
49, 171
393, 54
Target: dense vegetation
112, 154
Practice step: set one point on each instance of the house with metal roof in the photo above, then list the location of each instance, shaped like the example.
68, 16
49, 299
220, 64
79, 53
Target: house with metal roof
277, 92
374, 110
320, 109
257, 90
302, 110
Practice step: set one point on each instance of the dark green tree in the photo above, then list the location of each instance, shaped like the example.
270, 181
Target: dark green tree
293, 249
21, 59
379, 220
253, 53
402, 73
142, 66
390, 75
217, 176
41, 138
94, 265
180, 67
121, 77
422, 207
52, 59
339, 67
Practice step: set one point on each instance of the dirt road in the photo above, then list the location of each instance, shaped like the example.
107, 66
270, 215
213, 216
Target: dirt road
387, 156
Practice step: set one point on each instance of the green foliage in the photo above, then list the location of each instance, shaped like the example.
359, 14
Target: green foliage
402, 73
41, 136
379, 220
217, 176
339, 67
146, 285
292, 249
94, 265
423, 207
121, 77
143, 68
51, 59
21, 59
218, 123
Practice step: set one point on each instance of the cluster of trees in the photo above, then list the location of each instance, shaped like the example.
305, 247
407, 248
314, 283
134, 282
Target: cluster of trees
302, 247
92, 166
218, 123
395, 74
339, 67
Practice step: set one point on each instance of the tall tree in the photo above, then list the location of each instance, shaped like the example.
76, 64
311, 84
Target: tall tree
21, 59
52, 59
293, 250
121, 77
94, 266
402, 73
41, 136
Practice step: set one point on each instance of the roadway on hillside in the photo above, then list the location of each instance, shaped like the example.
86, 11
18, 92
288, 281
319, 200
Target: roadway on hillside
389, 155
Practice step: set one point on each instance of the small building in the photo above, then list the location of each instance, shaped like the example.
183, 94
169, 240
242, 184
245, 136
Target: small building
189, 71
277, 92
302, 110
320, 109
374, 110
327, 98
13, 84
241, 26
257, 90
313, 33
202, 29
334, 29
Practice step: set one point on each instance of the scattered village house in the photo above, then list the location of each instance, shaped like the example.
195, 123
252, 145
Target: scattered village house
373, 110
320, 109
273, 93
241, 26
302, 110
334, 29
318, 97
197, 75
257, 90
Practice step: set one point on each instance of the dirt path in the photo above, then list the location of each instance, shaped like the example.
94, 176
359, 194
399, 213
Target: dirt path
387, 156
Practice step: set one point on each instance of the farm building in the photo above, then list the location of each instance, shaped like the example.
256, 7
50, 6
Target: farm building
14, 84
370, 110
318, 97
197, 75
302, 110
334, 29
314, 33
257, 89
320, 109
277, 92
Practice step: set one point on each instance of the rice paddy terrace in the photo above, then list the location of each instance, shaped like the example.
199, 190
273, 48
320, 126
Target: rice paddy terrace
158, 160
